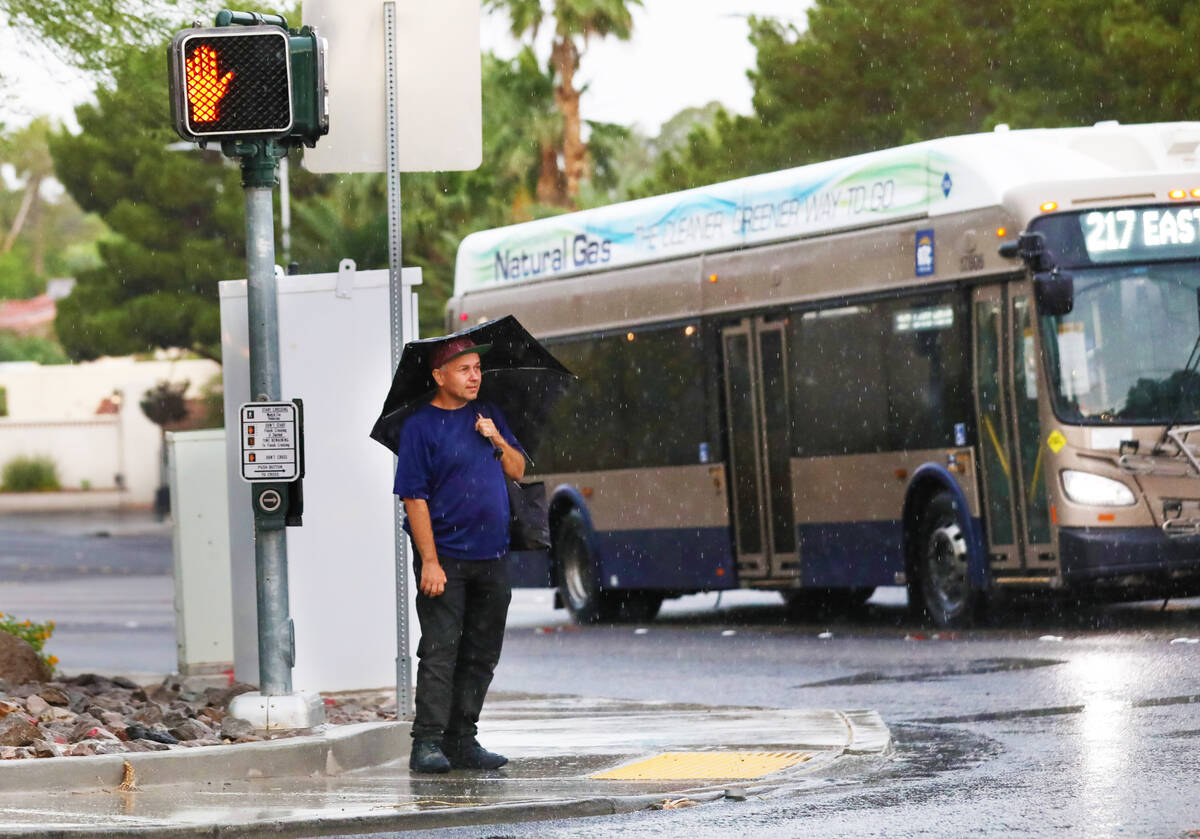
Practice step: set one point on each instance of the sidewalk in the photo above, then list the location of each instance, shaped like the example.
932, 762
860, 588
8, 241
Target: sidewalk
355, 778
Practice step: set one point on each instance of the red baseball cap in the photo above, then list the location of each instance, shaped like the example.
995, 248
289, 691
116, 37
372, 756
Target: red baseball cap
452, 349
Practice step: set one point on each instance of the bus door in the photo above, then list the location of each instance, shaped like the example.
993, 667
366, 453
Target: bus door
756, 408
1013, 474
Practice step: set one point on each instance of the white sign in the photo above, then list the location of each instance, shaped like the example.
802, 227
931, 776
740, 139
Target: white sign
438, 99
270, 441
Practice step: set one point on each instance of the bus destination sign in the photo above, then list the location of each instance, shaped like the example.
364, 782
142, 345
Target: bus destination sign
1128, 234
270, 443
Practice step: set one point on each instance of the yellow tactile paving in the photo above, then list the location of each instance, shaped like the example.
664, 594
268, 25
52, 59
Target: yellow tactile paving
678, 766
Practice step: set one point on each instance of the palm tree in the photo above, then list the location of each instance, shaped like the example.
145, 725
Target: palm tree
26, 151
575, 23
524, 132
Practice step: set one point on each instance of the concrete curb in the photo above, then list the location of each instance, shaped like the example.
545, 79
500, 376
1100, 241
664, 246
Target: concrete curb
341, 749
869, 735
532, 811
69, 501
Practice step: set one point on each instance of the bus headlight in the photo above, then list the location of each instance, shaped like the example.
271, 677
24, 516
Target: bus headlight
1097, 491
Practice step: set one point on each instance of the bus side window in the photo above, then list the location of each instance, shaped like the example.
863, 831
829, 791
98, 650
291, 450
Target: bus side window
639, 401
883, 376
839, 393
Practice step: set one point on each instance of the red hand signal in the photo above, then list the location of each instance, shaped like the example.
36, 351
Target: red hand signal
204, 89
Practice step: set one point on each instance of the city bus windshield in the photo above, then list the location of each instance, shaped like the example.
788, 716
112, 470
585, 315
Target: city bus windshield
1120, 356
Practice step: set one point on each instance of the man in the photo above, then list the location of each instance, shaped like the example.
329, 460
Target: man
454, 457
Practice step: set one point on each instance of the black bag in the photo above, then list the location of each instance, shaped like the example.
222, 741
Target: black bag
529, 517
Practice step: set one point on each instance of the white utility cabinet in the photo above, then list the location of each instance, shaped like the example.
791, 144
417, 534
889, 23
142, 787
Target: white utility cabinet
200, 520
335, 355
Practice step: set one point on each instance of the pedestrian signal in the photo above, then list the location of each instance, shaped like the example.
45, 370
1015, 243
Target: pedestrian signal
231, 81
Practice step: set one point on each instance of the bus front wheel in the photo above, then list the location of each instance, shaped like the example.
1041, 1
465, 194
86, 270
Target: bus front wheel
578, 580
576, 573
940, 587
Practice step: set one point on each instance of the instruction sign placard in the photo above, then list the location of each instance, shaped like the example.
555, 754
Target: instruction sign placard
270, 441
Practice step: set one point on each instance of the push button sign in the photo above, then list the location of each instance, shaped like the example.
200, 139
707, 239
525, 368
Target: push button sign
269, 441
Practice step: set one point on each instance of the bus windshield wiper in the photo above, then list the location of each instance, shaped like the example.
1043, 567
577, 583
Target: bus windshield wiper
1189, 372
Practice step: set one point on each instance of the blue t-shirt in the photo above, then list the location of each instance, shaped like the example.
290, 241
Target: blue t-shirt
446, 462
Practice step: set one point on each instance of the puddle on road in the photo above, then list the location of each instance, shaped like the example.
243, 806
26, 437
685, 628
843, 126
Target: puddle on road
1032, 713
975, 667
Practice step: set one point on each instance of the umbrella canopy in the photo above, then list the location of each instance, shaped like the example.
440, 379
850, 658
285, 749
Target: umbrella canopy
520, 377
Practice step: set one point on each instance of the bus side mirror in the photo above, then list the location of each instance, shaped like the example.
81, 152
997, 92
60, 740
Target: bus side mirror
1031, 248
1055, 292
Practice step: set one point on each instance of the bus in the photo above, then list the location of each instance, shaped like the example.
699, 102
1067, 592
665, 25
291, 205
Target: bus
966, 366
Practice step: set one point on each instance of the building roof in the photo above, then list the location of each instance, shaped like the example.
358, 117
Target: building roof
27, 316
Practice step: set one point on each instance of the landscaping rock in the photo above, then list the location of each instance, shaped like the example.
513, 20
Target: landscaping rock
212, 716
235, 728
137, 732
53, 714
93, 714
19, 661
18, 730
54, 695
85, 728
116, 748
174, 717
150, 745
191, 730
149, 714
42, 748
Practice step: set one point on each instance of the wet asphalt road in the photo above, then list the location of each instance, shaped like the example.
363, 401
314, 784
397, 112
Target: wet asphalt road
44, 548
1057, 719
103, 578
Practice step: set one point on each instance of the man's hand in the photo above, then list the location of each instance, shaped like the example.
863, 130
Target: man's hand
487, 428
511, 460
433, 579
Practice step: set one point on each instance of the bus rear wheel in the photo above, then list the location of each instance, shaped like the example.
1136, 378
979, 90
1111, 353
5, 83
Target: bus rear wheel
940, 588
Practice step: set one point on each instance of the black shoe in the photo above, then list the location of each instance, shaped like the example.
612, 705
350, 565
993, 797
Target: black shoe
427, 757
466, 753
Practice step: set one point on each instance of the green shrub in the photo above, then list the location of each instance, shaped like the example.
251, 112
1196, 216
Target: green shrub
15, 347
30, 474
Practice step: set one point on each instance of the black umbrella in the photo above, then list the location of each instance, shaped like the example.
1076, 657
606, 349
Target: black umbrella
520, 377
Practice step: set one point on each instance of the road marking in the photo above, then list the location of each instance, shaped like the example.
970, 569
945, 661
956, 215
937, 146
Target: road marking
678, 766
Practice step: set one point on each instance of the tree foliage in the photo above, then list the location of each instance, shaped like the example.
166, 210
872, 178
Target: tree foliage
40, 238
94, 35
165, 403
14, 347
346, 216
177, 217
575, 23
863, 75
871, 74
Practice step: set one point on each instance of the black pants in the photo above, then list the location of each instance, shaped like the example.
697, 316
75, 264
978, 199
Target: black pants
462, 631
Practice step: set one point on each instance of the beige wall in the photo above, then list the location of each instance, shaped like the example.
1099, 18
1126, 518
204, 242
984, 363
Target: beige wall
75, 391
52, 411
